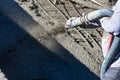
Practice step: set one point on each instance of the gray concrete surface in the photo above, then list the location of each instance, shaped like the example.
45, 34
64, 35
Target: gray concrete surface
23, 57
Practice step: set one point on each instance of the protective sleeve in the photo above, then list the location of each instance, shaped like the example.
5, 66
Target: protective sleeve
112, 24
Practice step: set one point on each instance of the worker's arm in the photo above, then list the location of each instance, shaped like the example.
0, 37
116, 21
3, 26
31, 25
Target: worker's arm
112, 25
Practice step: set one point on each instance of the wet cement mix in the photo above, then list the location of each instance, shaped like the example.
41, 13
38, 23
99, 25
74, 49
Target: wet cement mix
53, 53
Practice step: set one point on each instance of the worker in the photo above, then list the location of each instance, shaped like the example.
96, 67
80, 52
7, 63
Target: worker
111, 25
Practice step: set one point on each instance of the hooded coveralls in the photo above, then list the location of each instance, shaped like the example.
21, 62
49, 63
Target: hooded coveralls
112, 25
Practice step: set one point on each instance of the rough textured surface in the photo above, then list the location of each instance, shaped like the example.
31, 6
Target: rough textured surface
73, 54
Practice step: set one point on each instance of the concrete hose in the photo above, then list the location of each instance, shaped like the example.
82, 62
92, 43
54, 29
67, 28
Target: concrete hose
86, 18
115, 47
